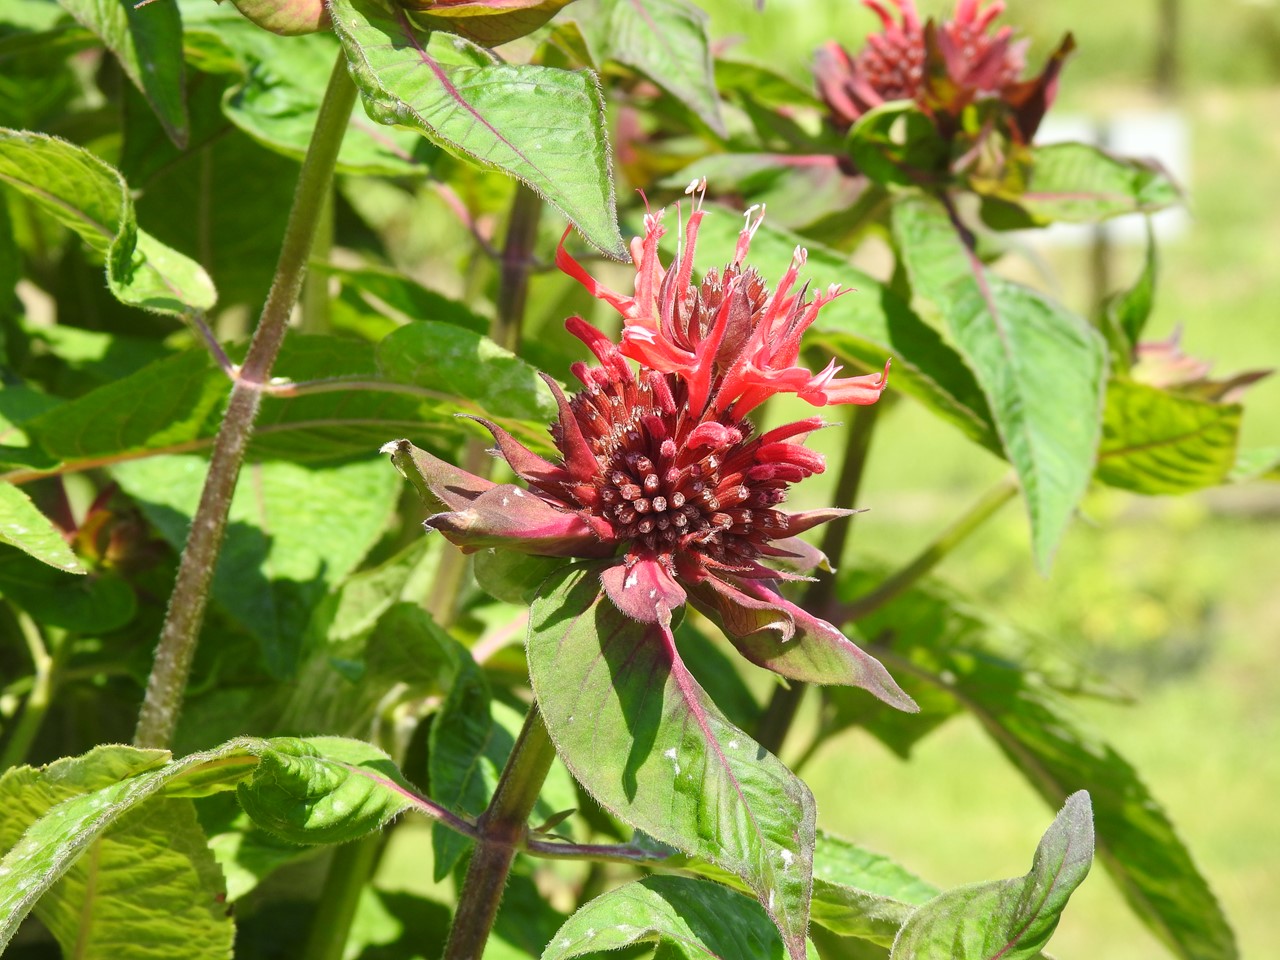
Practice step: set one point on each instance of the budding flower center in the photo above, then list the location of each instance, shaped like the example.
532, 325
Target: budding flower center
671, 483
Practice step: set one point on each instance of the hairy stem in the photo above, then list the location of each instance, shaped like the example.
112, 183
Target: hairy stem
502, 829
930, 556
785, 702
34, 708
180, 633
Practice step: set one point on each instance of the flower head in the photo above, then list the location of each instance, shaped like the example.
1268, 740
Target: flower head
661, 474
943, 67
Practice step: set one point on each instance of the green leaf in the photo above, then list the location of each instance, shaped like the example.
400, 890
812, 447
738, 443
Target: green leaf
868, 325
897, 143
324, 790
513, 577
279, 100
246, 853
667, 41
637, 731
91, 198
167, 403
293, 534
26, 528
460, 765
1125, 314
148, 44
1007, 919
148, 879
863, 894
1057, 753
1041, 368
93, 605
393, 294
430, 354
538, 124
698, 918
1158, 442
1081, 183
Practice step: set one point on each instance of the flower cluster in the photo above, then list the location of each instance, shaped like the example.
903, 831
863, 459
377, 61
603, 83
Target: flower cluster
942, 67
662, 475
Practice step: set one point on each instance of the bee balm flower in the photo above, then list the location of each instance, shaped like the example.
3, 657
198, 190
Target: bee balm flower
943, 67
661, 474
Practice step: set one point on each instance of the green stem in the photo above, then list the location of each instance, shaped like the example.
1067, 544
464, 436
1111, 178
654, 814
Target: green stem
34, 708
930, 556
315, 290
180, 633
780, 714
350, 867
502, 828
517, 260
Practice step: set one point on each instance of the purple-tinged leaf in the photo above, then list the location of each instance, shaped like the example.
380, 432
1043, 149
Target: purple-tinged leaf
638, 732
1080, 183
1042, 369
541, 125
697, 918
774, 633
1007, 919
511, 517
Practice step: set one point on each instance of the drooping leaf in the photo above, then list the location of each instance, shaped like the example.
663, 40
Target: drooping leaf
616, 696
323, 789
26, 528
104, 804
696, 918
82, 816
868, 325
666, 40
247, 853
863, 894
148, 44
1058, 754
538, 124
293, 534
431, 354
1042, 369
91, 198
1007, 919
1158, 442
1082, 183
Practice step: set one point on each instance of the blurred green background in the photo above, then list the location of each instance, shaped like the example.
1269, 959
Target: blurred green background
1177, 599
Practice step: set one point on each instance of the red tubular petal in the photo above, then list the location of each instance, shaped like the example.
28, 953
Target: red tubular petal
574, 269
789, 430
806, 520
